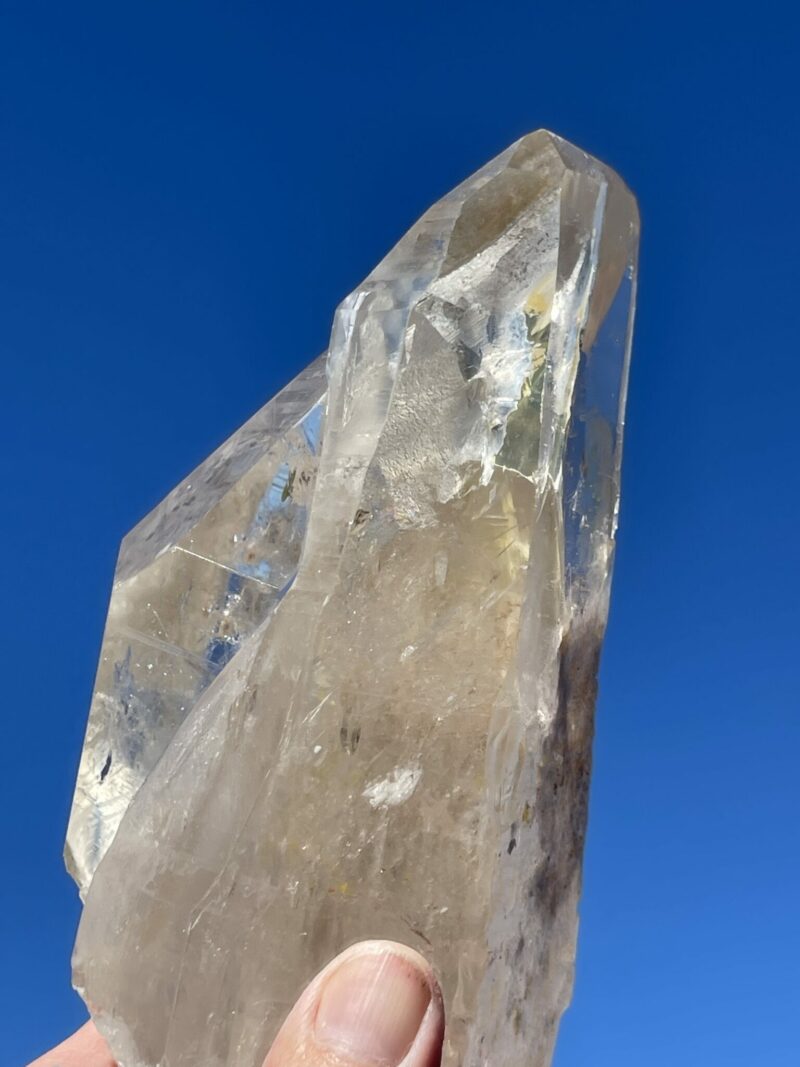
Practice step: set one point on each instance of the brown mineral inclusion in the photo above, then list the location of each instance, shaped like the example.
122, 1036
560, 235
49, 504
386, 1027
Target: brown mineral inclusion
348, 677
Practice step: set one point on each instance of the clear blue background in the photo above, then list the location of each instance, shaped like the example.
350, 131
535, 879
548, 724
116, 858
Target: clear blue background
186, 192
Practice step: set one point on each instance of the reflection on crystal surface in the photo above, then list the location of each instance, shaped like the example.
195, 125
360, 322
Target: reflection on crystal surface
402, 747
194, 579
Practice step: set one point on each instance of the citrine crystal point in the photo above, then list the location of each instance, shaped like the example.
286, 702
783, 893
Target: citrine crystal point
402, 593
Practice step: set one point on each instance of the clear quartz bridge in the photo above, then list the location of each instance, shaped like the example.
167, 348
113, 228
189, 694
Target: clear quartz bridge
348, 679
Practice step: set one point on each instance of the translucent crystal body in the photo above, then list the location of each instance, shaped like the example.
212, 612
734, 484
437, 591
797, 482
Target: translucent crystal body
401, 745
193, 580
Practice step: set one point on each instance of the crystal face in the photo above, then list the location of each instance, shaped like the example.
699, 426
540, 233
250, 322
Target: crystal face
395, 739
193, 580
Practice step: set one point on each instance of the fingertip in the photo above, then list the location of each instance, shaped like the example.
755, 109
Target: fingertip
85, 1048
378, 1004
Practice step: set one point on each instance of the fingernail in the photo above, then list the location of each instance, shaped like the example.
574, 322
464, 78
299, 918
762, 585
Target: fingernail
371, 1008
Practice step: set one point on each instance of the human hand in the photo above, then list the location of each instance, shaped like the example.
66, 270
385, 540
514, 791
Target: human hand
376, 1005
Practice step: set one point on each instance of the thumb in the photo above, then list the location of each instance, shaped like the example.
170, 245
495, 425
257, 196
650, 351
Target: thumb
376, 1005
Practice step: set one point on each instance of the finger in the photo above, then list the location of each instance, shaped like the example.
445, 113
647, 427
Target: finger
85, 1048
376, 1005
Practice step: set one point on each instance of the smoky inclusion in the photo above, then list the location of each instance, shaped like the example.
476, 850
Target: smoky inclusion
348, 679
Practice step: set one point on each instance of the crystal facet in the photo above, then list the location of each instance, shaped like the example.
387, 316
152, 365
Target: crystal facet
193, 580
416, 596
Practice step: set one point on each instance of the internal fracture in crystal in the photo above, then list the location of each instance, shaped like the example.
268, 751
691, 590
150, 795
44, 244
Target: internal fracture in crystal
348, 678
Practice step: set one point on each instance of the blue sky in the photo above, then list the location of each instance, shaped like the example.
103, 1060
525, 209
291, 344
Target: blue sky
188, 190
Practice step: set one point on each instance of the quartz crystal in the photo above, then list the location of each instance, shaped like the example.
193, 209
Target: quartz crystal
347, 684
193, 580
